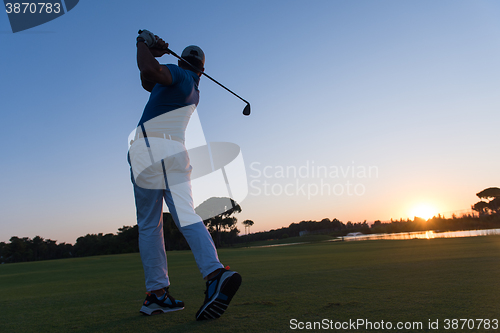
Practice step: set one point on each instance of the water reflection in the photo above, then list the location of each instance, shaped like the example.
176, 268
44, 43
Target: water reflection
424, 235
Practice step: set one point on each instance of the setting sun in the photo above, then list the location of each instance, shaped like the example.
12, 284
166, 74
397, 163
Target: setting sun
424, 211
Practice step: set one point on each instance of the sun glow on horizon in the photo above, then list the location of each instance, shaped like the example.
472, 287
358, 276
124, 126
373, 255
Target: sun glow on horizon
424, 211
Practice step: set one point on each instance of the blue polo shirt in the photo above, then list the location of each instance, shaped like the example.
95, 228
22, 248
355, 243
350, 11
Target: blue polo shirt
182, 92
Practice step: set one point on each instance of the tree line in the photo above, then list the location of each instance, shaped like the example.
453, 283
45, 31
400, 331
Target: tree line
488, 217
225, 235
223, 229
337, 228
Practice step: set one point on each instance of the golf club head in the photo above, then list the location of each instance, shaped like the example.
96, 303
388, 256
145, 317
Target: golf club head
246, 110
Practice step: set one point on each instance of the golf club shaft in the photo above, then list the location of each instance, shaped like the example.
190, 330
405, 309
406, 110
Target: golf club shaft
208, 76
246, 110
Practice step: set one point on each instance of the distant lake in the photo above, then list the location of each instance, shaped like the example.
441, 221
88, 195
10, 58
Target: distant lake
424, 235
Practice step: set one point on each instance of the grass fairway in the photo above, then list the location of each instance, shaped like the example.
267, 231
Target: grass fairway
396, 281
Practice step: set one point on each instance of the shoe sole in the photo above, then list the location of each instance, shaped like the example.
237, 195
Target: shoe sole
148, 311
216, 308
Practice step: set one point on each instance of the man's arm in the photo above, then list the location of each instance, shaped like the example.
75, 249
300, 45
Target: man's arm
150, 68
147, 85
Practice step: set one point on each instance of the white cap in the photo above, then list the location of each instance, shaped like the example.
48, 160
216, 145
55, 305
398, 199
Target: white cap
195, 52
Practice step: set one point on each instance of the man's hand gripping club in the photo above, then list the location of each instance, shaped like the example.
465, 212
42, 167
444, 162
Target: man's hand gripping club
149, 47
156, 45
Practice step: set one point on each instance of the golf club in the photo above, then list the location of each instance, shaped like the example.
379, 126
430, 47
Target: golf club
246, 110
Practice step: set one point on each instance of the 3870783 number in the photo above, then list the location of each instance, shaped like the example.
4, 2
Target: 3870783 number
33, 8
461, 324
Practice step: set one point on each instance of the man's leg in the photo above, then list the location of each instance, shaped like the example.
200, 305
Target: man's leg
180, 203
149, 206
222, 283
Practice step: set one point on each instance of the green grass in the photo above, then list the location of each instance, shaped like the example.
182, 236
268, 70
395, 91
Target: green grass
288, 240
410, 280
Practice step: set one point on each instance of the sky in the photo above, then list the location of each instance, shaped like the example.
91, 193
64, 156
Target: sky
361, 110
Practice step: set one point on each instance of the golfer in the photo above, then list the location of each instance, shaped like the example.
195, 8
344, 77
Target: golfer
161, 170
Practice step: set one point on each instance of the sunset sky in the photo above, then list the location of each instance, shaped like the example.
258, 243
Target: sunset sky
361, 110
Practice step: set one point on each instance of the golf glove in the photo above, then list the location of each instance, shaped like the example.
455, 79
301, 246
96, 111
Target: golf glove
149, 38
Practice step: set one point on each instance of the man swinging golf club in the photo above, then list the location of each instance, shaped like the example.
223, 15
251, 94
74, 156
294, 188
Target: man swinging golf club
161, 170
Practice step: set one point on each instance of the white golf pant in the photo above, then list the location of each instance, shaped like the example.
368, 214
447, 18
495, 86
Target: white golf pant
174, 173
